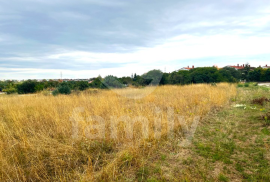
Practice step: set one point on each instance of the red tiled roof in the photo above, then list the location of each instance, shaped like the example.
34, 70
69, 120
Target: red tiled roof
237, 67
266, 66
188, 68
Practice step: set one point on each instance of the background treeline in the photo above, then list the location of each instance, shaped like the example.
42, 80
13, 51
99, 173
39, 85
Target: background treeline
153, 77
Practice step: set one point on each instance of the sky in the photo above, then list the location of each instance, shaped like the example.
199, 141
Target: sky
39, 39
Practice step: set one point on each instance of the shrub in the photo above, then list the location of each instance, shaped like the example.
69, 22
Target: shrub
39, 87
64, 90
256, 84
246, 85
112, 82
55, 92
239, 85
27, 87
82, 85
10, 90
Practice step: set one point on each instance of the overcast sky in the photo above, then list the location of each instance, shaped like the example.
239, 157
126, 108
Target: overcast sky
87, 38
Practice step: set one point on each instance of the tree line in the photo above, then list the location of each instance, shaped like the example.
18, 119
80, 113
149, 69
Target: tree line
153, 77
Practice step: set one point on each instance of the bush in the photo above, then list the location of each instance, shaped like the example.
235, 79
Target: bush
27, 87
55, 92
256, 84
39, 87
82, 85
111, 82
10, 90
64, 90
246, 85
239, 85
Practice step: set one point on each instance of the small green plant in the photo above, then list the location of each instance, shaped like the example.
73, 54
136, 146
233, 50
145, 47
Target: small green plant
267, 120
152, 180
163, 157
265, 116
142, 174
239, 167
127, 159
265, 131
239, 85
246, 84
223, 178
157, 169
256, 84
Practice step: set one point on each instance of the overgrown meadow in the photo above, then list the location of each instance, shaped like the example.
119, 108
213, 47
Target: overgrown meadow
46, 137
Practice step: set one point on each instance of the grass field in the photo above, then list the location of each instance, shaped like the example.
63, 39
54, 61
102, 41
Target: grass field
38, 144
230, 144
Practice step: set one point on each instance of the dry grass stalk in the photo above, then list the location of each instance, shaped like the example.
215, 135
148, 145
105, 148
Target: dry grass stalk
35, 131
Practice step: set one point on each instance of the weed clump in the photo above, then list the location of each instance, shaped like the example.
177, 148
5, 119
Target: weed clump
260, 101
266, 118
246, 84
239, 85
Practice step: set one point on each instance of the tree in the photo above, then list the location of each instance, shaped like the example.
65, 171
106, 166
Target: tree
165, 79
267, 75
126, 80
180, 77
205, 75
96, 83
2, 85
244, 72
26, 87
230, 74
112, 82
154, 76
39, 87
50, 84
82, 85
255, 75
10, 90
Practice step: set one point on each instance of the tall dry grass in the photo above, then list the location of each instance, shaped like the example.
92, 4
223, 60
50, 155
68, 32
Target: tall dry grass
36, 131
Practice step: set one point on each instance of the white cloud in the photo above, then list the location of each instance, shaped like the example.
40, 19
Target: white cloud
179, 48
129, 37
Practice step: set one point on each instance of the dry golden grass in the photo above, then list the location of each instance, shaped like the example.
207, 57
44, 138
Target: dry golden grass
36, 131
